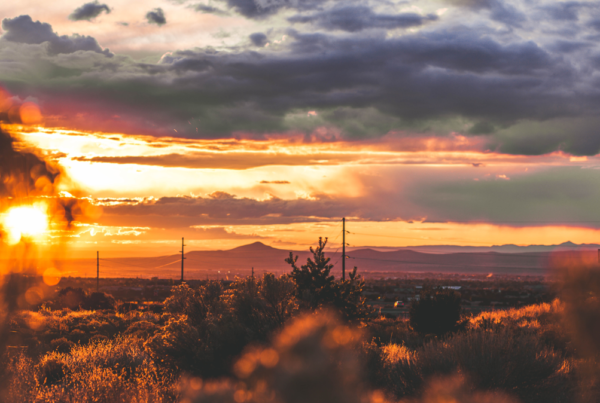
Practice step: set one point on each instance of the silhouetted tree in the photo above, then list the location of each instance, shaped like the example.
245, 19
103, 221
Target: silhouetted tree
316, 286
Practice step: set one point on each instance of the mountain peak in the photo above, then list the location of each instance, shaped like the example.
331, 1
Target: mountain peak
253, 247
568, 243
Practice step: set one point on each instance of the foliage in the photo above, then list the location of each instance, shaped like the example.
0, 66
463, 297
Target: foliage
436, 312
111, 371
196, 304
78, 298
99, 300
317, 288
211, 326
264, 304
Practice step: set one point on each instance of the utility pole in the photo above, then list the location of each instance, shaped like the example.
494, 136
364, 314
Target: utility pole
182, 259
97, 271
253, 267
343, 248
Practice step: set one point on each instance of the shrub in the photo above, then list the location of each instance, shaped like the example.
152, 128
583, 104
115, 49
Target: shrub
436, 313
99, 300
71, 298
142, 329
51, 370
108, 371
262, 305
61, 345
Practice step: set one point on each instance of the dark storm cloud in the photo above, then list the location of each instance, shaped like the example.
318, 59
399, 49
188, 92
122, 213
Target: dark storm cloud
24, 30
203, 8
156, 16
498, 10
263, 8
578, 136
566, 194
364, 85
258, 39
89, 11
358, 18
221, 207
565, 11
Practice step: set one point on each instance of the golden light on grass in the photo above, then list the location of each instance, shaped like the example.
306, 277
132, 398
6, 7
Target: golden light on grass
25, 222
52, 276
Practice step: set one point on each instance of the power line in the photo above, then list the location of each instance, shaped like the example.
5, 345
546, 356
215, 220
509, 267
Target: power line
174, 261
127, 264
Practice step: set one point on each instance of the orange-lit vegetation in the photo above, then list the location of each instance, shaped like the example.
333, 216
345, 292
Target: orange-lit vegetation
258, 340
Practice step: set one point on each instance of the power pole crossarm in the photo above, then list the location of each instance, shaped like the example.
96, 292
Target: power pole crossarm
182, 258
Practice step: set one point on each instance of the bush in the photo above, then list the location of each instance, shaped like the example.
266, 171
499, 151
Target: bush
515, 362
51, 370
436, 313
72, 298
107, 371
99, 300
61, 345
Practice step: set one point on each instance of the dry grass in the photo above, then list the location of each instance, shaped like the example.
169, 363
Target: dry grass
504, 356
108, 371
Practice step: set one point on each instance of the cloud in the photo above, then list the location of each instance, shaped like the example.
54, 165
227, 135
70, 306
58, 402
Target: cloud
441, 80
539, 196
358, 18
203, 8
23, 30
170, 212
498, 10
259, 9
275, 182
156, 16
89, 11
565, 11
198, 160
525, 199
258, 39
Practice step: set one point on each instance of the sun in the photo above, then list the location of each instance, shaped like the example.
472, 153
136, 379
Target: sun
25, 222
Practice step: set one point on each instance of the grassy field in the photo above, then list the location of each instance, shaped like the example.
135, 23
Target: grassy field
79, 356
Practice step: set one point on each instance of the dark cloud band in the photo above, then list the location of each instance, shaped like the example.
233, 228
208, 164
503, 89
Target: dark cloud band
89, 11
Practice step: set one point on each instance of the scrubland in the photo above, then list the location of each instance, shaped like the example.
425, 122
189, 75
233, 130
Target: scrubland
276, 339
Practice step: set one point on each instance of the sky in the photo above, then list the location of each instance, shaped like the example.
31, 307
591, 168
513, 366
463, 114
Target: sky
431, 122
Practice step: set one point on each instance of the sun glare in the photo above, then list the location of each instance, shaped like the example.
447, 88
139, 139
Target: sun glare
29, 222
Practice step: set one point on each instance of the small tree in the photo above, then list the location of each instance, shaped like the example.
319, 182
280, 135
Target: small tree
316, 286
436, 312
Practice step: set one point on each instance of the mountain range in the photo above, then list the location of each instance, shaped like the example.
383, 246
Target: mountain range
240, 261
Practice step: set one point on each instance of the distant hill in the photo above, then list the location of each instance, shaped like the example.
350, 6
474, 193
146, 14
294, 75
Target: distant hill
566, 246
505, 259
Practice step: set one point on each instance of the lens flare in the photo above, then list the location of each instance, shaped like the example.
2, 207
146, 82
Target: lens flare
25, 222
